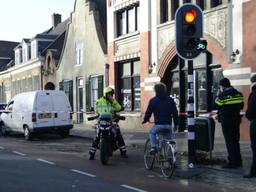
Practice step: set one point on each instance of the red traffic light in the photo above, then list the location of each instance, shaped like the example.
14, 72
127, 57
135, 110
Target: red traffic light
189, 31
190, 16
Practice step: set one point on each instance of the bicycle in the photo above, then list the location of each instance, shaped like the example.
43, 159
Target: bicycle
165, 155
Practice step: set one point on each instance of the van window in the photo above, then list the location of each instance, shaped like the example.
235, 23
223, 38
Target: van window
10, 106
44, 103
60, 102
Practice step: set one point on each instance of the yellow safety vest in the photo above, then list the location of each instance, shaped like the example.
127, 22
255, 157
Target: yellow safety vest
105, 107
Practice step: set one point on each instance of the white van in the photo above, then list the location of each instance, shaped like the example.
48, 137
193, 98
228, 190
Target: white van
37, 112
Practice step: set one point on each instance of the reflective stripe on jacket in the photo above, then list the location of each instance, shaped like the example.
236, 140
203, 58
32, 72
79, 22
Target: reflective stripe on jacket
105, 107
230, 99
229, 103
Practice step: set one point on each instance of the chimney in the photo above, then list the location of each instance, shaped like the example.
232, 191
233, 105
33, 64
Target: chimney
56, 19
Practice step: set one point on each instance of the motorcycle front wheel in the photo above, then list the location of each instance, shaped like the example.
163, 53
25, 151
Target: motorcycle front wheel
104, 153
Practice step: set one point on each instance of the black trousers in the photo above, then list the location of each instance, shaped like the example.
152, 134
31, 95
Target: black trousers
253, 145
118, 137
231, 132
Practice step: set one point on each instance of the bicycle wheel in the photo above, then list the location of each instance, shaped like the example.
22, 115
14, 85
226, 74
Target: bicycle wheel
167, 160
148, 158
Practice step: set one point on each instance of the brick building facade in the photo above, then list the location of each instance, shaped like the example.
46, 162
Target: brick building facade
152, 43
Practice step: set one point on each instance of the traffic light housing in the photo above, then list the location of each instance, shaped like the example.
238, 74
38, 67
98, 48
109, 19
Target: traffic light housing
189, 31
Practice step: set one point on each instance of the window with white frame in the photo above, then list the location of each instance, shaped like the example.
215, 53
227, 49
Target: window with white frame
164, 13
201, 4
67, 87
215, 3
33, 49
24, 53
127, 20
18, 56
94, 90
79, 53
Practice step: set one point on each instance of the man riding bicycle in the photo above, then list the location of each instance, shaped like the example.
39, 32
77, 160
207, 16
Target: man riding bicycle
107, 105
164, 109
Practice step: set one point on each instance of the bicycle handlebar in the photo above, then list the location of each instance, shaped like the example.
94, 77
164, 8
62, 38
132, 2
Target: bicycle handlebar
93, 118
118, 117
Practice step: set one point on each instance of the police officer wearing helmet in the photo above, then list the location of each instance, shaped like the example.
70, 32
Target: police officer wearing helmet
229, 103
104, 106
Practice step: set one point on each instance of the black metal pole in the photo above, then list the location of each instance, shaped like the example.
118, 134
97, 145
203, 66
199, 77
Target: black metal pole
209, 78
182, 96
191, 116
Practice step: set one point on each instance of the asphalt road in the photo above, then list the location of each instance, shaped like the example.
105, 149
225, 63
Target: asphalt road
51, 163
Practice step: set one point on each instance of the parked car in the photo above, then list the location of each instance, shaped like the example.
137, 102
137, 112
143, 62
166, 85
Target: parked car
37, 112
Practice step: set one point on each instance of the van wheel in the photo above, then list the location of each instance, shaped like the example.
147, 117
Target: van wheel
27, 133
64, 133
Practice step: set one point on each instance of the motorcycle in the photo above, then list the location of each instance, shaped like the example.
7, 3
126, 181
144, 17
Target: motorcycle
106, 132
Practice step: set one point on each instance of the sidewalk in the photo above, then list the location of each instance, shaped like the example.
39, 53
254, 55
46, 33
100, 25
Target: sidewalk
206, 170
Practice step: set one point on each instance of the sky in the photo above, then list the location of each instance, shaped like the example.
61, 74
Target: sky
25, 18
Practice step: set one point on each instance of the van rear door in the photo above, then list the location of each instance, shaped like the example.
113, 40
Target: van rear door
62, 109
44, 110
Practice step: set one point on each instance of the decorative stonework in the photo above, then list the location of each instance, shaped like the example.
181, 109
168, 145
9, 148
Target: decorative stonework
166, 35
127, 56
119, 4
215, 25
129, 45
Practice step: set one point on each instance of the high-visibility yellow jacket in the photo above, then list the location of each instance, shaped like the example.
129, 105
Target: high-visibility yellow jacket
105, 107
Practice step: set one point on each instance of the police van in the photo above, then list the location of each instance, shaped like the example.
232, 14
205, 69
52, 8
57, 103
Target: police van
37, 112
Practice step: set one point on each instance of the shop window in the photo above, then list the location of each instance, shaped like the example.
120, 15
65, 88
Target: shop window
217, 76
129, 77
175, 87
201, 90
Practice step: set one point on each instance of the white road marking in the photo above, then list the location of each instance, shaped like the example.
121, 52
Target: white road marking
83, 173
19, 153
150, 176
44, 161
1, 147
133, 188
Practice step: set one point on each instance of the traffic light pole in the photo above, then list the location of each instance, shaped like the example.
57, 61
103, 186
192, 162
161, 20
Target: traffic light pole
190, 116
182, 96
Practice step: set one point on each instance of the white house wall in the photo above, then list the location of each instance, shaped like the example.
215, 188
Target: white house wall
81, 29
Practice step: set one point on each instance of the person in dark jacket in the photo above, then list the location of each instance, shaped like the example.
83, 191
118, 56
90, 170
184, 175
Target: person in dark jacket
229, 103
251, 116
164, 109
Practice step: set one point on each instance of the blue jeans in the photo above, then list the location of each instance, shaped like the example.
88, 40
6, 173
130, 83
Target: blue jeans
155, 129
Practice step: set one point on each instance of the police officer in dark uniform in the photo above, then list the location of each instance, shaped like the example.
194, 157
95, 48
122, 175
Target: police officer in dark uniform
229, 103
251, 116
